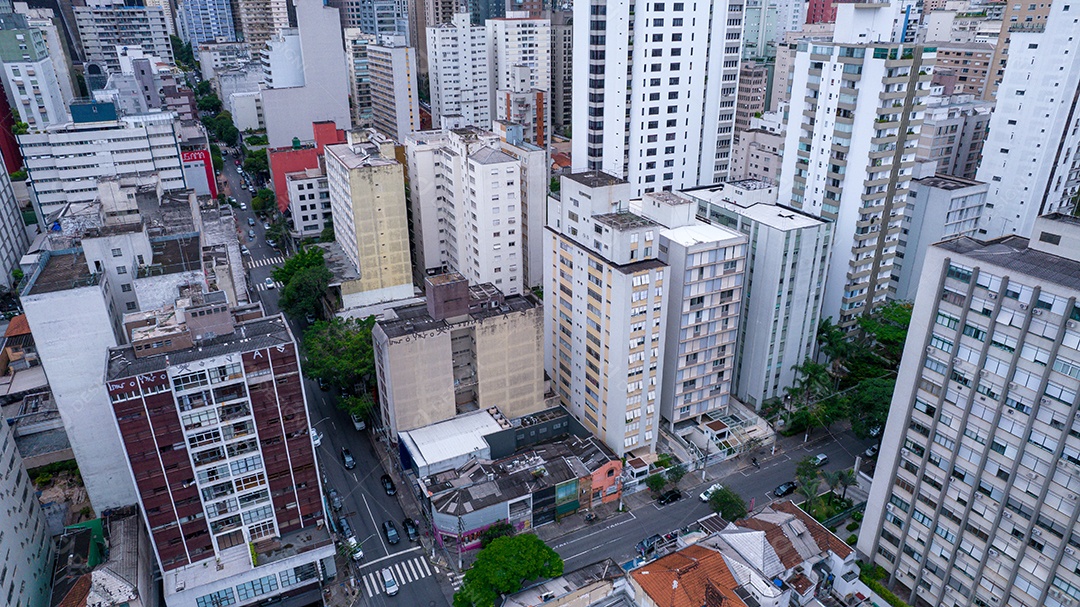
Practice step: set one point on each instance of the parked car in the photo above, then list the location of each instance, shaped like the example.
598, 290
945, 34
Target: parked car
648, 543
354, 548
244, 250
358, 423
820, 460
388, 484
251, 221
347, 457
871, 451
785, 489
344, 528
266, 226
706, 494
335, 500
243, 206
316, 438
411, 530
391, 532
671, 495
269, 283
251, 234
390, 585
875, 431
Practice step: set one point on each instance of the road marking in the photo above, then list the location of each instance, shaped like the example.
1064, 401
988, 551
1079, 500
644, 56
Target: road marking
426, 568
367, 585
415, 569
354, 477
598, 531
389, 556
375, 582
373, 522
261, 286
593, 548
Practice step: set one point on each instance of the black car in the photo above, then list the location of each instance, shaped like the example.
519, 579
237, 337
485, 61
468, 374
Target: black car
785, 489
411, 530
347, 457
344, 528
667, 497
391, 532
388, 484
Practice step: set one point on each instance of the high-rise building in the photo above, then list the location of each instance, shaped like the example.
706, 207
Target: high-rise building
757, 155
760, 23
973, 500
753, 92
1029, 155
520, 40
206, 21
13, 238
367, 199
482, 10
438, 12
166, 7
26, 546
562, 65
314, 89
356, 64
106, 28
854, 124
261, 20
954, 132
459, 72
1019, 18
970, 62
821, 11
395, 98
642, 110
210, 404
44, 20
467, 347
523, 104
785, 279
29, 74
481, 211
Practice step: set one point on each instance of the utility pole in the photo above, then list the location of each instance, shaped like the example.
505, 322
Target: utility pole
705, 461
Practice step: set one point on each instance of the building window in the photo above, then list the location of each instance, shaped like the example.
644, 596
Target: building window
130, 306
221, 598
126, 287
117, 252
121, 269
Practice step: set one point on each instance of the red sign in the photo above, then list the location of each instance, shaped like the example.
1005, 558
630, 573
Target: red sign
208, 166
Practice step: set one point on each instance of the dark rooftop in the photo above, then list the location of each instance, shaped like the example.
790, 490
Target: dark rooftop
1073, 219
414, 318
947, 182
595, 179
250, 335
1012, 253
172, 255
624, 220
61, 271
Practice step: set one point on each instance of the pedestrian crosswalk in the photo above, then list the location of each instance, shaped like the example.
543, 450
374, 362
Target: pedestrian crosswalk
404, 572
455, 580
269, 261
261, 286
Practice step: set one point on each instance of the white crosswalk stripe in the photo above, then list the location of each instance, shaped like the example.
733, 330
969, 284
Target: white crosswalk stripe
258, 263
405, 572
261, 286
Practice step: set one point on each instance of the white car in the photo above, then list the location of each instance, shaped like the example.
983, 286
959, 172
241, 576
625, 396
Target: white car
269, 282
354, 546
706, 494
243, 206
316, 438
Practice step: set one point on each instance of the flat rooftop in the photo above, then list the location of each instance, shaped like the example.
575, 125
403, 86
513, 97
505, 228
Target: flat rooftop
173, 255
700, 233
61, 271
1012, 253
452, 438
488, 155
751, 184
947, 182
595, 179
563, 585
624, 220
359, 155
340, 267
251, 335
414, 318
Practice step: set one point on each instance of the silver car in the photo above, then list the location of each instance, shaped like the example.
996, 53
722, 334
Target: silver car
389, 583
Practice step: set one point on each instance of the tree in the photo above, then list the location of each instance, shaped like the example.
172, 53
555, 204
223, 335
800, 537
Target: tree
308, 257
209, 103
203, 88
809, 489
847, 479
304, 292
504, 566
20, 128
676, 473
361, 406
256, 162
806, 469
886, 329
183, 53
868, 405
727, 504
656, 482
340, 352
215, 157
263, 200
494, 532
832, 480
327, 234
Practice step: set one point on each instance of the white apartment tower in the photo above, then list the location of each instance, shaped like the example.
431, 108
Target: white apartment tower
395, 98
356, 65
521, 73
856, 112
106, 27
13, 238
29, 74
1032, 153
25, 547
459, 68
642, 109
604, 311
974, 500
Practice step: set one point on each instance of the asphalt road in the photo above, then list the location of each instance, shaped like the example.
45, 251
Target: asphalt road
616, 536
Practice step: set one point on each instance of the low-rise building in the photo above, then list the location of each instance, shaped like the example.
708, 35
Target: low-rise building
465, 348
298, 178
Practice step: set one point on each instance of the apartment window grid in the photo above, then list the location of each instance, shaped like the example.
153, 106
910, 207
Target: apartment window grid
1016, 464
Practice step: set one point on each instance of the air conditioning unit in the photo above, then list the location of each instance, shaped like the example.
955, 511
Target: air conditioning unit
1044, 400
929, 349
1008, 514
1036, 532
1037, 312
993, 554
1033, 475
1070, 324
1012, 386
1070, 551
1023, 306
1010, 411
983, 371
991, 295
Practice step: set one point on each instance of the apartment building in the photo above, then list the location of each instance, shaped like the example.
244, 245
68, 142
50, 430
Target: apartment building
970, 63
356, 65
524, 104
367, 202
562, 65
521, 72
395, 100
642, 111
44, 20
261, 20
753, 92
25, 546
477, 205
760, 35
854, 124
465, 348
1029, 158
64, 161
459, 69
106, 27
1018, 18
313, 89
214, 57
972, 501
786, 248
13, 238
238, 485
29, 74
820, 11
757, 155
955, 128
206, 21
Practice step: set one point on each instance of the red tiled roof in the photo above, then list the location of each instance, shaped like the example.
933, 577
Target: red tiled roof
823, 537
774, 534
637, 463
716, 426
560, 160
680, 579
76, 597
801, 583
18, 326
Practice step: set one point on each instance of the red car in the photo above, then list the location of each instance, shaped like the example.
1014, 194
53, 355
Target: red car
237, 161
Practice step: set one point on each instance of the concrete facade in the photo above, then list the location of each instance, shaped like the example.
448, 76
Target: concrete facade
459, 69
29, 74
206, 21
562, 74
103, 28
356, 65
26, 545
395, 101
757, 155
261, 20
13, 237
954, 132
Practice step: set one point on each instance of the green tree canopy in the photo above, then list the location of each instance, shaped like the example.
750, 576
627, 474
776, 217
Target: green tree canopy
307, 257
868, 404
502, 568
727, 504
340, 352
256, 162
806, 469
183, 54
303, 294
494, 532
209, 103
886, 330
327, 234
203, 88
656, 482
676, 473
361, 406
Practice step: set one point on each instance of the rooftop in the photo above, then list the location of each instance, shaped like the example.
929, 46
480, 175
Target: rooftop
340, 267
595, 179
680, 579
414, 318
751, 184
452, 438
486, 155
624, 220
700, 233
947, 182
1013, 253
600, 571
250, 335
173, 254
59, 271
794, 534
